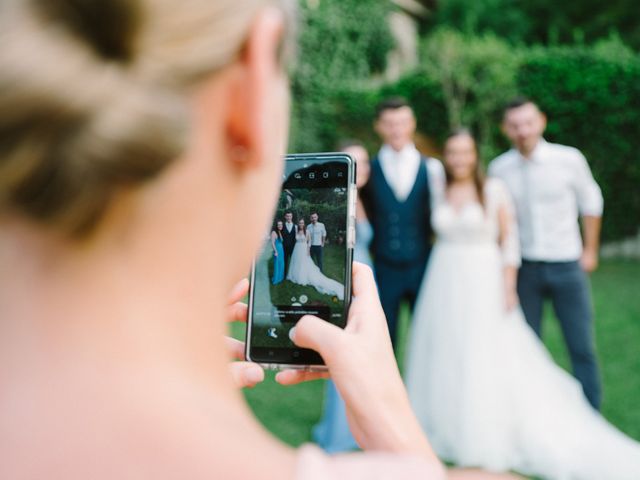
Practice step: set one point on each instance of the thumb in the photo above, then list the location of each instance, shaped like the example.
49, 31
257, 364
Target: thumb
316, 334
246, 374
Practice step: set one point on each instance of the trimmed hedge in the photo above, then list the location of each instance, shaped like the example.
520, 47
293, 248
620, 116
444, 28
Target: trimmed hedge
338, 50
592, 101
355, 108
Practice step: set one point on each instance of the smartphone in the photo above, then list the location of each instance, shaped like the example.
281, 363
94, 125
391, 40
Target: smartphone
304, 265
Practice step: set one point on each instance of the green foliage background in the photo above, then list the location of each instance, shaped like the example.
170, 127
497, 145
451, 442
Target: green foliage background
338, 49
592, 99
546, 22
468, 69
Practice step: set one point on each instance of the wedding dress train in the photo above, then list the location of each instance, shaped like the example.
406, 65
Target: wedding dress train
303, 271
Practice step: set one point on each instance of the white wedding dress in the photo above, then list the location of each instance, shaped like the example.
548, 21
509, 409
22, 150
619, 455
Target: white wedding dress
303, 271
484, 387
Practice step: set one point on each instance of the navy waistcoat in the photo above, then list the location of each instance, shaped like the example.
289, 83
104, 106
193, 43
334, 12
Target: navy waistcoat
402, 230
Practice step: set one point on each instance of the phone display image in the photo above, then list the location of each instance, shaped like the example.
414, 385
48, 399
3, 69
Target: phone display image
304, 263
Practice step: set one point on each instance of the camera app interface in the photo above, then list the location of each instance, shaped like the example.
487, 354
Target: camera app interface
302, 266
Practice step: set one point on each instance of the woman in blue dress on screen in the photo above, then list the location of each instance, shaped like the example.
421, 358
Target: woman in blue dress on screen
332, 431
278, 253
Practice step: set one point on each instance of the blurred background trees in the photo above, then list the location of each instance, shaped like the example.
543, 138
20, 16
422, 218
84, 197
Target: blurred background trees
544, 22
459, 61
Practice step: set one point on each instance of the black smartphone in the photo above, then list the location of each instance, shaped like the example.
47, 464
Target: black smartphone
304, 266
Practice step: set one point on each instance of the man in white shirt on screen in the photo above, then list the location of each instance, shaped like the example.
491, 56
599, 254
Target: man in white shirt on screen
317, 236
552, 187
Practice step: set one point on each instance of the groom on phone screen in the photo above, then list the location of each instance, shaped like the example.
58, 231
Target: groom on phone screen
318, 234
288, 240
398, 199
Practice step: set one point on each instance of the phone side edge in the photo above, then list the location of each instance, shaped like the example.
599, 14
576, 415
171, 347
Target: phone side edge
247, 335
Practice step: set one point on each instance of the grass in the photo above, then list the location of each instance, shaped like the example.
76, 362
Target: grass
290, 412
332, 266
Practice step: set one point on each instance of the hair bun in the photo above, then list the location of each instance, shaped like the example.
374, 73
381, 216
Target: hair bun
94, 96
74, 127
110, 27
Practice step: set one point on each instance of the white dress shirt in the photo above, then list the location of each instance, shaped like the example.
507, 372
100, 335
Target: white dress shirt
400, 170
550, 189
317, 232
289, 226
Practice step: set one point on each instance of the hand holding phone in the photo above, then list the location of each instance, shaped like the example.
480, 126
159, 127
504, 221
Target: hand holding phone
305, 267
362, 365
244, 374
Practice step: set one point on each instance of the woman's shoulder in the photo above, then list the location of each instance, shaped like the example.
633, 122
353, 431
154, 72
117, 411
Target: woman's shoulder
313, 464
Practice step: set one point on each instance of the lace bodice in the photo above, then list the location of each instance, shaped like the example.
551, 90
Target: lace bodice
476, 225
301, 237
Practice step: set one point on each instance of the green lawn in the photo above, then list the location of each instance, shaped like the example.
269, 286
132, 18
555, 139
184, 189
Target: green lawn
332, 266
290, 412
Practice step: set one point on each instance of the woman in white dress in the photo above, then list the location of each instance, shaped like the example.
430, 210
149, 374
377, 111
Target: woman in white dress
483, 386
303, 271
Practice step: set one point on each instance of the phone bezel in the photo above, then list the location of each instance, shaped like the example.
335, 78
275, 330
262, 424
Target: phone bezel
285, 358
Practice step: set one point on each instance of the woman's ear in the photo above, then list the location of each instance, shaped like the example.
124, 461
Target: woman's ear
257, 91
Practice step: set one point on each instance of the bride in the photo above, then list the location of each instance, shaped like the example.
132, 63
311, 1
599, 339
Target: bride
303, 271
484, 387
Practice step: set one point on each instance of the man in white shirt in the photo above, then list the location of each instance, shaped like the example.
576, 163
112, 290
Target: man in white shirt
317, 236
398, 199
552, 187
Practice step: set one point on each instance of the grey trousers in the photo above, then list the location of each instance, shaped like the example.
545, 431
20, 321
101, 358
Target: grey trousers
566, 284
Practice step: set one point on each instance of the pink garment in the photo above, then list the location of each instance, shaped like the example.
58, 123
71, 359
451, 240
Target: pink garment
314, 464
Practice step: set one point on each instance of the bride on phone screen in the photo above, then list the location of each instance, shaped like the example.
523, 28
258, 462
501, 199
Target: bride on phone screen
303, 271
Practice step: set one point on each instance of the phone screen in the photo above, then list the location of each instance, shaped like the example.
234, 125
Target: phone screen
304, 266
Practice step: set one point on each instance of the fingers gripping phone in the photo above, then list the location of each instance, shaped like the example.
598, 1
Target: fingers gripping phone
304, 266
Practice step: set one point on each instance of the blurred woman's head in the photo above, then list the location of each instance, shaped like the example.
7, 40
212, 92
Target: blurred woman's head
361, 156
461, 160
277, 229
124, 114
460, 155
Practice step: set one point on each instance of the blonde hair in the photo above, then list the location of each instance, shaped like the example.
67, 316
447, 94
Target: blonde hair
93, 96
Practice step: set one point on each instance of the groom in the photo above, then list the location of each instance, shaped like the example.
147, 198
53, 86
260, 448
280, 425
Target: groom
398, 199
288, 240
